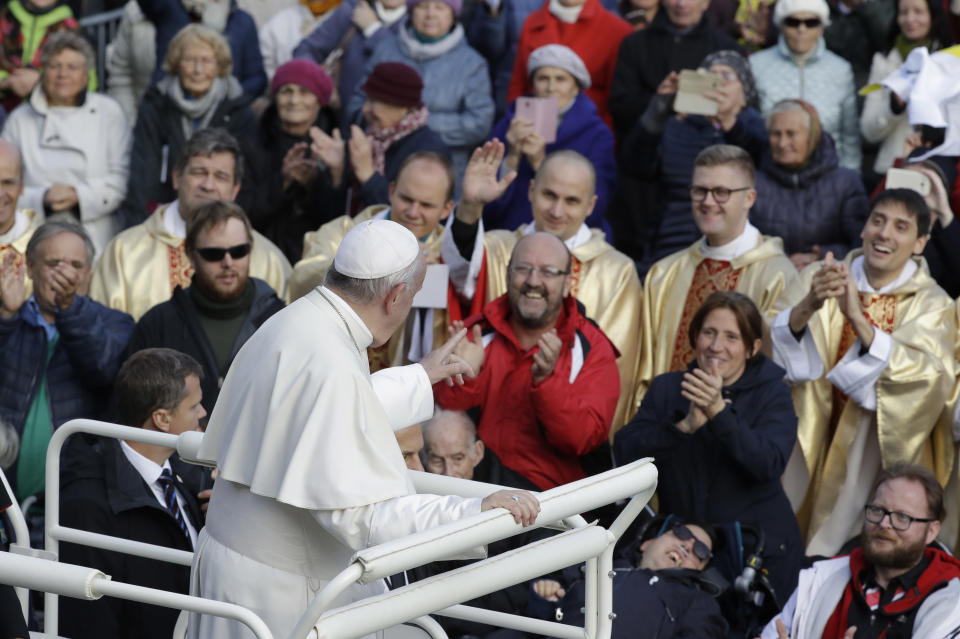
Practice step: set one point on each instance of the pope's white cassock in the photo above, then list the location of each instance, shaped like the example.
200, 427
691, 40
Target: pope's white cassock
310, 470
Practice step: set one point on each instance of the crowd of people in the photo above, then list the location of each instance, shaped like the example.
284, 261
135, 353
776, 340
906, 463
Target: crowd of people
524, 196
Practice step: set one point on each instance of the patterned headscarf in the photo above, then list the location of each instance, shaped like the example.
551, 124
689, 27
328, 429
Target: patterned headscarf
739, 65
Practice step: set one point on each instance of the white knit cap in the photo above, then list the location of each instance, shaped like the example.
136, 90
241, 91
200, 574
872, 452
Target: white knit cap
562, 57
375, 249
786, 8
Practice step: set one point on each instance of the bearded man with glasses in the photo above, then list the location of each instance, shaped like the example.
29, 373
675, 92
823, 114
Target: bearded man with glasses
223, 306
895, 585
547, 383
732, 255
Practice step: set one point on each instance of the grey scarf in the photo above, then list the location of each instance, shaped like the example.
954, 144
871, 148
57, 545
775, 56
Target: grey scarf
197, 113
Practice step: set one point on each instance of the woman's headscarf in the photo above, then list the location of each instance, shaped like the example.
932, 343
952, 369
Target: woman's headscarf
740, 66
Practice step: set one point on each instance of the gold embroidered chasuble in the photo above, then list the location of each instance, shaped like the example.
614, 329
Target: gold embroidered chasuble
912, 423
19, 246
142, 265
605, 281
765, 275
319, 249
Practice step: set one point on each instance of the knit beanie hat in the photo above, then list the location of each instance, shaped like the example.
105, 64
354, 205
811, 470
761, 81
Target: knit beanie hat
456, 5
562, 57
786, 8
306, 73
740, 66
394, 83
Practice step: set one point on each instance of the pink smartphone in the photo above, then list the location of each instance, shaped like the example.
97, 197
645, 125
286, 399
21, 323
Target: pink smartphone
543, 112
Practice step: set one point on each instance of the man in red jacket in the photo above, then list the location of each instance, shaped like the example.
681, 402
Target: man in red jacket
548, 384
586, 27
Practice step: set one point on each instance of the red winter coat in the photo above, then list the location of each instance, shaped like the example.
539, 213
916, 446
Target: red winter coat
541, 429
595, 37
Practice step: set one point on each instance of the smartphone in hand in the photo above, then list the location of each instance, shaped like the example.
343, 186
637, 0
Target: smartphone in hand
543, 112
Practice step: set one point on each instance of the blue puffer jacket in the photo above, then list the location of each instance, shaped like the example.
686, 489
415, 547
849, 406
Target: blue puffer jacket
825, 80
581, 130
456, 88
85, 361
822, 203
730, 469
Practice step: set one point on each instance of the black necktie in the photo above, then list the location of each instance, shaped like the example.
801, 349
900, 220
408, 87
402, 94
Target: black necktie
170, 498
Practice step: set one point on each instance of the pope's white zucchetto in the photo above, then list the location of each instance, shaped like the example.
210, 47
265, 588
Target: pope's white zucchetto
375, 249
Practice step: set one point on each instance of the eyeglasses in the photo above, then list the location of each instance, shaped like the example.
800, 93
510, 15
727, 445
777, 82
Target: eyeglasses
720, 193
794, 23
216, 254
546, 272
700, 549
900, 521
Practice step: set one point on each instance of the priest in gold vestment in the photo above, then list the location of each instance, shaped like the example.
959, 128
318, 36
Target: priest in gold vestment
420, 199
871, 350
141, 266
731, 255
562, 195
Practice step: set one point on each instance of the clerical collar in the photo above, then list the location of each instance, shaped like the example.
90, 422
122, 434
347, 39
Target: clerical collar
173, 221
863, 284
20, 225
564, 14
367, 337
575, 241
745, 242
389, 16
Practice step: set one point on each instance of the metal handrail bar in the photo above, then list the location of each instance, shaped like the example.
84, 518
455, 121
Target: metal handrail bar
54, 532
20, 537
467, 582
90, 584
430, 625
442, 485
515, 622
637, 480
119, 544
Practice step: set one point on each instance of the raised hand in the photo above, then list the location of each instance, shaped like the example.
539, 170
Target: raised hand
64, 282
545, 359
730, 102
669, 85
829, 281
469, 349
361, 154
13, 288
522, 505
704, 390
534, 148
331, 150
296, 167
480, 183
443, 364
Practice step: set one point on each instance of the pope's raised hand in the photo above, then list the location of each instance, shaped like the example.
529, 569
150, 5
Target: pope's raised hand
443, 364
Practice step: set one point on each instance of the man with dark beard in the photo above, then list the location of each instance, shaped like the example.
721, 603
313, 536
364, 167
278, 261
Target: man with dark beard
212, 318
895, 585
547, 384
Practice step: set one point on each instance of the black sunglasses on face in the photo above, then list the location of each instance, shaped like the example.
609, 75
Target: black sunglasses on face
794, 23
216, 254
700, 549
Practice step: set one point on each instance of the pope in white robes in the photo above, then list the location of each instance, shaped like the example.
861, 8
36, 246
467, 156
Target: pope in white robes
310, 470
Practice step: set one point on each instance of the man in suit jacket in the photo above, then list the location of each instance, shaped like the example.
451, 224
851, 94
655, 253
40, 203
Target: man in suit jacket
135, 491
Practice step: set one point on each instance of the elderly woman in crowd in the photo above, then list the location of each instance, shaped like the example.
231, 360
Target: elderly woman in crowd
556, 72
456, 81
803, 195
75, 145
722, 432
198, 92
663, 145
393, 124
799, 66
884, 121
290, 197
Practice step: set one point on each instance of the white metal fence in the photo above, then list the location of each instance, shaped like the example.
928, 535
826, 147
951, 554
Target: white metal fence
441, 594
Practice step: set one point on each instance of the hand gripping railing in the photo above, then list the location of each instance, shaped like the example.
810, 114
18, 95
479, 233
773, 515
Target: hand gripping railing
591, 543
186, 445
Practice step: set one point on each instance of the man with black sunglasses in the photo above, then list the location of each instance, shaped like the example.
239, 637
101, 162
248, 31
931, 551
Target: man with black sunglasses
895, 585
223, 306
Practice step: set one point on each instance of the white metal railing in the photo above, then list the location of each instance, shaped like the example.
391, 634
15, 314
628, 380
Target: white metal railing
441, 594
